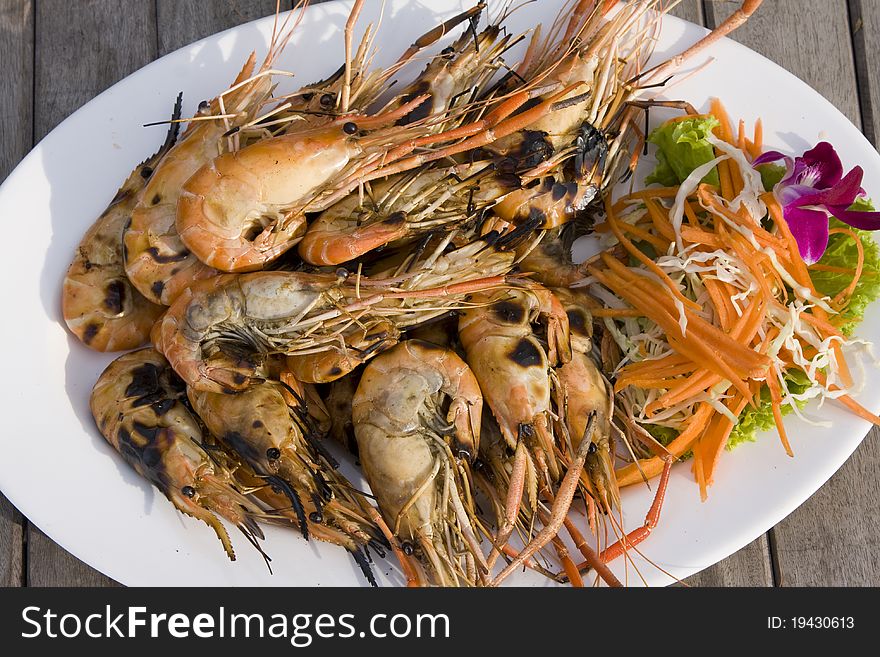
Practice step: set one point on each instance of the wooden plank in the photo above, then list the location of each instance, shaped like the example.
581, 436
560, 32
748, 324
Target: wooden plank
16, 102
831, 539
865, 25
11, 545
748, 567
183, 21
810, 38
690, 10
81, 49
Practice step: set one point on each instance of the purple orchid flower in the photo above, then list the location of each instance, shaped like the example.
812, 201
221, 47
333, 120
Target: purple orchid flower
813, 188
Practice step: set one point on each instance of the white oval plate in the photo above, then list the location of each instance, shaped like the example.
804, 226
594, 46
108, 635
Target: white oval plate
57, 469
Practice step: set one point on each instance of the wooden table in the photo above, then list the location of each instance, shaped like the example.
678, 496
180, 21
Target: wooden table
57, 55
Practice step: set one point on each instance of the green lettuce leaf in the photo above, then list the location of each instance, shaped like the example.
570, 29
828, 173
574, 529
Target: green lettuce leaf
681, 148
752, 420
842, 252
770, 175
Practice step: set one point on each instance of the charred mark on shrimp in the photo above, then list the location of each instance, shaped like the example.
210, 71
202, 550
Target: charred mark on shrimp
114, 297
509, 312
578, 321
527, 354
90, 333
165, 259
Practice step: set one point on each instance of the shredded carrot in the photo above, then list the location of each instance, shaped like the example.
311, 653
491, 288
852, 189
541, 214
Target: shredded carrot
758, 141
691, 215
726, 180
616, 312
719, 359
719, 302
724, 130
715, 438
660, 218
857, 274
736, 180
652, 467
697, 236
657, 242
697, 467
644, 259
723, 350
776, 404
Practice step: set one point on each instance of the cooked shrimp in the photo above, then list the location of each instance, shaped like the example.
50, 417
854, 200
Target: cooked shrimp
156, 260
399, 208
219, 332
138, 405
416, 456
501, 345
582, 392
274, 439
98, 302
354, 87
245, 209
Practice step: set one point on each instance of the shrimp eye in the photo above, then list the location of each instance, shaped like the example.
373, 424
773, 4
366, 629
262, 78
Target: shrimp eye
350, 128
273, 453
189, 491
592, 448
203, 105
408, 548
327, 100
315, 516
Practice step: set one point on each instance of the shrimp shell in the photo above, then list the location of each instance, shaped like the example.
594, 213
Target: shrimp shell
416, 457
99, 303
138, 405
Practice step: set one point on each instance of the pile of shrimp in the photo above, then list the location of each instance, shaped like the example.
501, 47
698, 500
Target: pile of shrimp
385, 265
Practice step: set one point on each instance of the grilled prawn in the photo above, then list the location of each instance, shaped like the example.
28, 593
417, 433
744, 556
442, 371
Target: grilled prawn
275, 439
416, 454
219, 333
139, 406
156, 260
99, 303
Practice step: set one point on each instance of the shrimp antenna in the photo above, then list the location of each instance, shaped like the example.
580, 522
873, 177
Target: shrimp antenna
290, 492
253, 541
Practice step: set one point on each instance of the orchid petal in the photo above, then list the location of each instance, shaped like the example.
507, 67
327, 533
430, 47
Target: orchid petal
792, 194
863, 220
825, 160
769, 156
843, 192
810, 231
